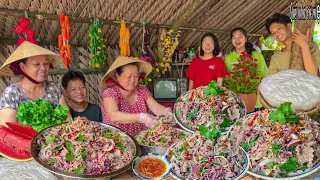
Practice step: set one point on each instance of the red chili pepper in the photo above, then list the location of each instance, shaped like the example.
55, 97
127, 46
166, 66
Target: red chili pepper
66, 64
29, 33
61, 19
20, 41
253, 119
22, 26
58, 153
191, 97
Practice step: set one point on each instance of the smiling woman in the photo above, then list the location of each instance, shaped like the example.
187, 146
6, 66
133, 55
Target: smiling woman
33, 62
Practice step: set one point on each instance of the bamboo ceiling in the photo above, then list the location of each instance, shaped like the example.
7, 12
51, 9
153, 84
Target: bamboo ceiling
222, 15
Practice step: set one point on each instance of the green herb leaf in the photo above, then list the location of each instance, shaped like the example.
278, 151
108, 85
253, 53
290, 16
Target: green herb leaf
222, 154
107, 135
289, 165
51, 138
238, 123
162, 139
119, 144
284, 114
69, 157
51, 162
81, 138
271, 164
232, 137
304, 167
213, 89
188, 171
70, 146
152, 144
118, 137
182, 136
246, 146
79, 170
225, 123
202, 169
215, 113
283, 175
276, 148
84, 153
182, 149
140, 139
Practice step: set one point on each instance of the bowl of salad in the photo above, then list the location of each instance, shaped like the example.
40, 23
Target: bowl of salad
83, 149
206, 105
281, 143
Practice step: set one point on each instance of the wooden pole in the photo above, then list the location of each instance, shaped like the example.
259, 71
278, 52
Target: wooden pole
296, 61
20, 13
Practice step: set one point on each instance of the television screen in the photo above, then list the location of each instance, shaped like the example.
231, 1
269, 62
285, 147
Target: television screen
165, 89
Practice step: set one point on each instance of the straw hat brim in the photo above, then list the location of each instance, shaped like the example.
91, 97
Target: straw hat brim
143, 67
25, 50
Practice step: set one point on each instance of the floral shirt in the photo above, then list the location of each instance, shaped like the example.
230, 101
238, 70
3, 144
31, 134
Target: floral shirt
140, 106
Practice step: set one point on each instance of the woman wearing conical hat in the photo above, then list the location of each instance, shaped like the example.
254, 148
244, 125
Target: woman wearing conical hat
125, 104
33, 63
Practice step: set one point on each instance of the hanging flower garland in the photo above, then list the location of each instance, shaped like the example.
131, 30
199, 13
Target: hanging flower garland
169, 44
269, 43
97, 45
24, 32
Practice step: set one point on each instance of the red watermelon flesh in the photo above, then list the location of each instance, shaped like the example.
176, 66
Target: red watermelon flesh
11, 154
16, 143
15, 132
28, 130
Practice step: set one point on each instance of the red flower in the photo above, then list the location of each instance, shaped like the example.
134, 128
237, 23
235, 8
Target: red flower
240, 69
231, 74
20, 41
247, 83
248, 63
29, 33
243, 53
246, 71
142, 76
33, 41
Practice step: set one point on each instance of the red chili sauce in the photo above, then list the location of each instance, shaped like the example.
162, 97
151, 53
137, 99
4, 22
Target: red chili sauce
152, 167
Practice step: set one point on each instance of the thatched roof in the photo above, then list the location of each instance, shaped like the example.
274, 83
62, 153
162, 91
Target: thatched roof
219, 15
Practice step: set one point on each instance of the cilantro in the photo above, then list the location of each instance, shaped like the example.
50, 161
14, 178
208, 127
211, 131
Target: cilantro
51, 162
69, 157
188, 171
271, 164
162, 139
179, 113
182, 149
283, 175
213, 89
292, 149
81, 138
304, 167
108, 135
182, 136
225, 123
276, 148
79, 170
222, 154
289, 165
118, 137
41, 114
172, 154
70, 146
232, 137
193, 114
119, 144
215, 113
152, 144
202, 169
51, 138
238, 123
206, 133
284, 114
248, 145
140, 139
59, 148
84, 153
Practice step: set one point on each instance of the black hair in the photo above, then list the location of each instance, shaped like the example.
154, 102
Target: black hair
216, 49
277, 18
16, 70
70, 76
119, 70
248, 46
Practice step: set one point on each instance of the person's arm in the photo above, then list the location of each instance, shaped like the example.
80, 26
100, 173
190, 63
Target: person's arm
220, 81
112, 109
154, 106
8, 115
63, 101
303, 41
191, 83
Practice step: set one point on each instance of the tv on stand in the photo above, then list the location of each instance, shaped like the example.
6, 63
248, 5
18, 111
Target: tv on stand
169, 89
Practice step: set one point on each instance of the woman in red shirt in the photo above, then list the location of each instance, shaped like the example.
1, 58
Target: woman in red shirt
207, 66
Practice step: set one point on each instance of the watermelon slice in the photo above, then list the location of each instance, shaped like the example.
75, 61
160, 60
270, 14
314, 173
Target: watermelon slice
28, 130
15, 132
14, 147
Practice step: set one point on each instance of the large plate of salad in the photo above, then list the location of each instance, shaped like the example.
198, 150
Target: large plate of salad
280, 143
206, 105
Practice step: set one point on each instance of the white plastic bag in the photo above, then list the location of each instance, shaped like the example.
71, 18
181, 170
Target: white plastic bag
298, 87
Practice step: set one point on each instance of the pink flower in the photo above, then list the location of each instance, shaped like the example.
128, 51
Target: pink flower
231, 74
246, 71
240, 69
248, 63
247, 83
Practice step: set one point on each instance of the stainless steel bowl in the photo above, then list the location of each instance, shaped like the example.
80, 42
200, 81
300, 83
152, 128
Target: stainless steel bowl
65, 175
155, 149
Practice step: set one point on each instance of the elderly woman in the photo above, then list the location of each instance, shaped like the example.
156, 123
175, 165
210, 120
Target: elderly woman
33, 62
125, 104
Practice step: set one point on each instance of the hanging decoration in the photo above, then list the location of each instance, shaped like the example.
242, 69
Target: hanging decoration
124, 39
169, 44
24, 32
63, 40
97, 45
270, 44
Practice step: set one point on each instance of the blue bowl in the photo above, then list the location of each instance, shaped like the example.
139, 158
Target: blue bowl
164, 158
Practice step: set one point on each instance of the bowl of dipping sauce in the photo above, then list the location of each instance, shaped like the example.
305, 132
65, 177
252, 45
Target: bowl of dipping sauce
151, 166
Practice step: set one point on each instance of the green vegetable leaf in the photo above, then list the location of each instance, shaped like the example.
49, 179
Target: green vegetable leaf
79, 170
179, 113
182, 136
51, 162
238, 123
289, 165
182, 149
118, 137
84, 153
225, 123
246, 146
51, 138
119, 144
271, 164
107, 135
232, 137
81, 138
284, 114
162, 139
202, 169
70, 146
188, 171
69, 157
304, 167
152, 144
140, 139
222, 154
276, 148
215, 113
283, 175
213, 89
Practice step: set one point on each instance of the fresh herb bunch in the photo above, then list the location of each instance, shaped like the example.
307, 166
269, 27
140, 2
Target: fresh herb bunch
284, 114
213, 134
213, 89
243, 78
41, 114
